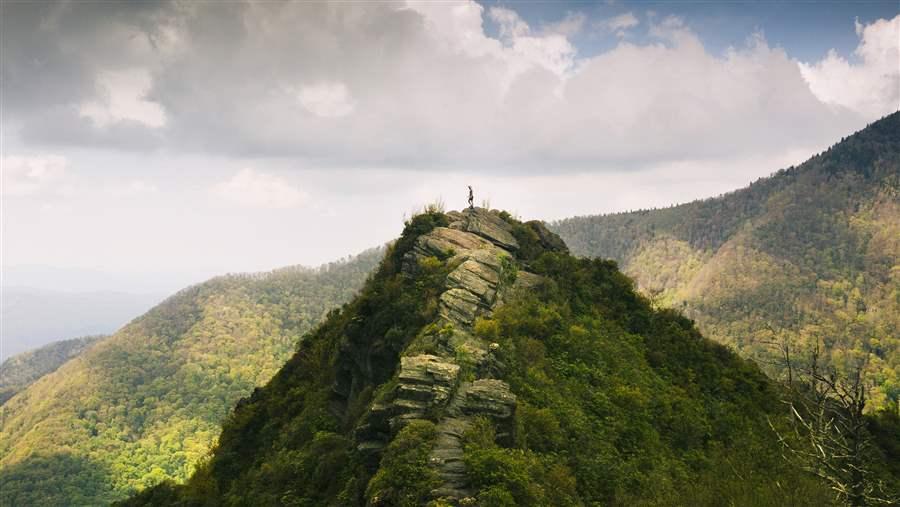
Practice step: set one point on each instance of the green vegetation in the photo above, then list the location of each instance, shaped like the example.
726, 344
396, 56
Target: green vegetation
619, 403
404, 477
146, 404
22, 370
811, 252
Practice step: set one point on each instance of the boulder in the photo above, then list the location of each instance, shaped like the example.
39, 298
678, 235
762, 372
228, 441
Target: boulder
488, 225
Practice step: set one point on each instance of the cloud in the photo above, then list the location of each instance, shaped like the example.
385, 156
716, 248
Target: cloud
255, 189
569, 26
132, 188
123, 97
618, 24
30, 175
327, 100
871, 86
417, 85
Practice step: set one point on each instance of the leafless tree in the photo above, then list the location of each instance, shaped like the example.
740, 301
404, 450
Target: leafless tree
829, 436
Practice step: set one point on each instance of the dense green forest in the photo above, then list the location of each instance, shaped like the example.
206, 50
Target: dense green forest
809, 253
146, 404
21, 370
484, 365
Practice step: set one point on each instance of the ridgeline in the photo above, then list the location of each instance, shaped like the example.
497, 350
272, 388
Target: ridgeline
810, 253
483, 365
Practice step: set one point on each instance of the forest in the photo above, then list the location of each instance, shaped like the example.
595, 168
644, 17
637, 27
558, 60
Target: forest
616, 402
807, 254
145, 404
21, 370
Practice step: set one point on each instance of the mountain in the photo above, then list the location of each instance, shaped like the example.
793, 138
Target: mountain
146, 403
483, 365
34, 317
810, 254
20, 371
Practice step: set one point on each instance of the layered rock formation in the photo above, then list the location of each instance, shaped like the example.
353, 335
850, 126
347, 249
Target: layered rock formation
445, 373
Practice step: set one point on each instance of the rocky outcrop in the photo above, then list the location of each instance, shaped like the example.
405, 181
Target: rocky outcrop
484, 398
478, 246
425, 382
487, 224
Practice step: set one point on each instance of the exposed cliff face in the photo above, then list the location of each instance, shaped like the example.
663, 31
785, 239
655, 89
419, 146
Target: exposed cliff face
446, 372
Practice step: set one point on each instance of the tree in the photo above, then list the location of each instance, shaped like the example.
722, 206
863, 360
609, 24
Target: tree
830, 437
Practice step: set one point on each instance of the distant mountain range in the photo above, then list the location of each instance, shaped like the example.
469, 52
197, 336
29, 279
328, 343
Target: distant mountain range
812, 252
35, 317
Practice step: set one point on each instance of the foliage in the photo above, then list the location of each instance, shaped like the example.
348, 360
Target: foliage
266, 448
619, 403
22, 370
404, 477
145, 405
811, 251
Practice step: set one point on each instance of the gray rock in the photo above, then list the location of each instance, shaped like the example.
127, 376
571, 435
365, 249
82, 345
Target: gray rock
427, 369
491, 398
461, 307
444, 242
490, 226
424, 385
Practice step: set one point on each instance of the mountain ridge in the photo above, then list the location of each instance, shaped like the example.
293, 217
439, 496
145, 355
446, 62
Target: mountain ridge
483, 364
810, 250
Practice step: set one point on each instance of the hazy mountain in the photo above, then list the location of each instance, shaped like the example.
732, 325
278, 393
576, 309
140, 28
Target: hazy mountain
35, 317
484, 365
20, 371
146, 403
812, 252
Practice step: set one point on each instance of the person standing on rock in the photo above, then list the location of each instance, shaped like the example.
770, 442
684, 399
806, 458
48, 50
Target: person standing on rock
471, 198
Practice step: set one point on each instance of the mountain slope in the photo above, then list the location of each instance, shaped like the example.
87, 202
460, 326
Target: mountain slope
145, 404
20, 371
482, 364
812, 252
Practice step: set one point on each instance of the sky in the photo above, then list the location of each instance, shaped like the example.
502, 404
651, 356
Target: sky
166, 142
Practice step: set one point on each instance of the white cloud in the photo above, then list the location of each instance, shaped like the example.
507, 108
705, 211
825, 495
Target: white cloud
29, 175
327, 100
123, 96
872, 85
511, 25
569, 26
255, 189
618, 24
132, 189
